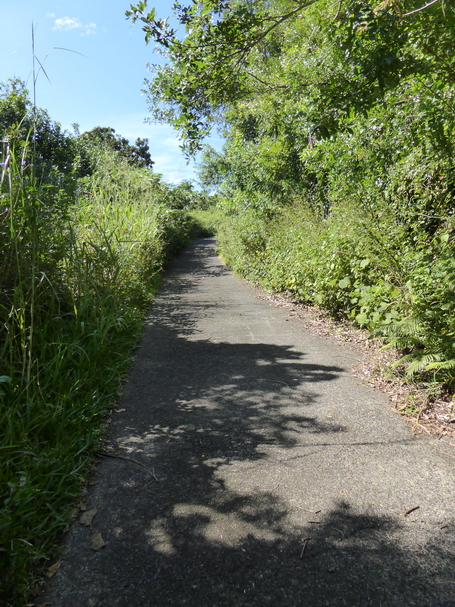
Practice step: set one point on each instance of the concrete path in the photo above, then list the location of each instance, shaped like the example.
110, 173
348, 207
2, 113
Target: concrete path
273, 477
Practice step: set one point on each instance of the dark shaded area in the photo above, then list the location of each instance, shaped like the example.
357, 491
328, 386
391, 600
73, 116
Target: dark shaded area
201, 415
351, 559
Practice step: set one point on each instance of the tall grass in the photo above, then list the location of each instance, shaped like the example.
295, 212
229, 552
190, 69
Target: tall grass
78, 267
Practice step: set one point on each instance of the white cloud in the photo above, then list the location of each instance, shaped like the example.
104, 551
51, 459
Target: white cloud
90, 29
72, 23
67, 23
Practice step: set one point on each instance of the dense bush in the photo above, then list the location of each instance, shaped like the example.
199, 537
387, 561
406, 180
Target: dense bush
337, 175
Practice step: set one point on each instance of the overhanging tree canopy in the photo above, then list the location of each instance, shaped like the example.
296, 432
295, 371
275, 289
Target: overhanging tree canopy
341, 55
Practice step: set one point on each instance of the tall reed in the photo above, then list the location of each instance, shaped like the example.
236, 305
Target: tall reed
75, 278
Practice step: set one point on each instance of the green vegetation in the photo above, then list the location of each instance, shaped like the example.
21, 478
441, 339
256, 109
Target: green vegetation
84, 234
210, 221
137, 155
337, 177
336, 184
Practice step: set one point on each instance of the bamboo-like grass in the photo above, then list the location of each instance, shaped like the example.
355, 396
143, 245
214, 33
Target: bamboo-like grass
74, 282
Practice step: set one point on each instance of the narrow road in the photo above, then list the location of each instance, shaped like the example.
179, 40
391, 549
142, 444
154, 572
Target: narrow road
254, 469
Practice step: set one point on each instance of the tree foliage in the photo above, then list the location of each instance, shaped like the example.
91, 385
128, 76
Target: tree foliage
23, 124
137, 155
340, 57
338, 169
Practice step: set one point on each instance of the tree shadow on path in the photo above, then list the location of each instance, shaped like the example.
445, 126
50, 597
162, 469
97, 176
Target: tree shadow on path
221, 425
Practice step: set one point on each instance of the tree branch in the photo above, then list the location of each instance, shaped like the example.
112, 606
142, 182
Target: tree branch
422, 8
268, 84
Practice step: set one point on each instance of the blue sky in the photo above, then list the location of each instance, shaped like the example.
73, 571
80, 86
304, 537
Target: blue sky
102, 85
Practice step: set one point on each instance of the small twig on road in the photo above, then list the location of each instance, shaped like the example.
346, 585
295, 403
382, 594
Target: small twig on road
410, 510
339, 531
304, 509
305, 542
419, 425
277, 381
130, 459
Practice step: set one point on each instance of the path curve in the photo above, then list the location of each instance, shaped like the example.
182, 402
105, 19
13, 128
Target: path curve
272, 476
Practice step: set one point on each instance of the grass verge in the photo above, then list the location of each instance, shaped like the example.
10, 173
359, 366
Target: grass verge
76, 277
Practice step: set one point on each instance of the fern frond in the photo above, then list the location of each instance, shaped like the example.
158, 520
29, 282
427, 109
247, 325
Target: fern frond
421, 363
407, 327
444, 364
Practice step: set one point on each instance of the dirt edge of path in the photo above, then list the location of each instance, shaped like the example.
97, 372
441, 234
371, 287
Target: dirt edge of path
426, 410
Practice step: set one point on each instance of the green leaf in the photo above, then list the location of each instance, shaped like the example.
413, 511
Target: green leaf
361, 318
344, 282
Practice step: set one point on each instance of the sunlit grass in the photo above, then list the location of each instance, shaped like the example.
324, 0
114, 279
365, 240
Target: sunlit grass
209, 220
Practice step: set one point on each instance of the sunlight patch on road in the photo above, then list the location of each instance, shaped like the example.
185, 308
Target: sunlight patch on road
228, 529
159, 538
